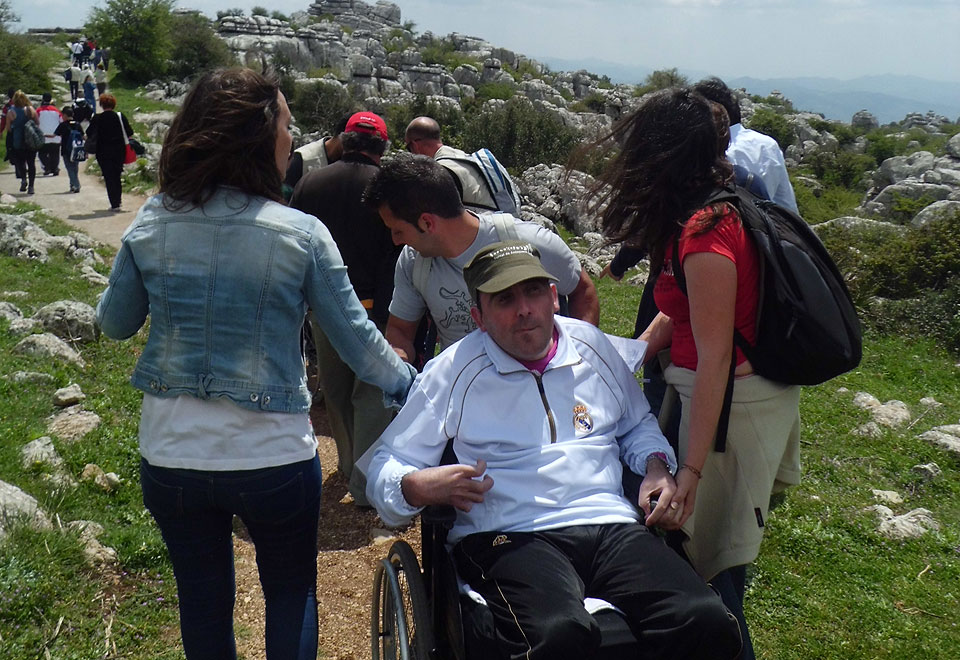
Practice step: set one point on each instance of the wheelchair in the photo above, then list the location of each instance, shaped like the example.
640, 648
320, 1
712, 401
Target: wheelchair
419, 613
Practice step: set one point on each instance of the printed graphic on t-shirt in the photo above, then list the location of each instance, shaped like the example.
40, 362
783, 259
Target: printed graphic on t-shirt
458, 311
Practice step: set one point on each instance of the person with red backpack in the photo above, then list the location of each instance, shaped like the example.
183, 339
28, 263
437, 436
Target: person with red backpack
708, 289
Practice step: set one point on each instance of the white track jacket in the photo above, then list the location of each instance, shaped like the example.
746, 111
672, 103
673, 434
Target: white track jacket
552, 443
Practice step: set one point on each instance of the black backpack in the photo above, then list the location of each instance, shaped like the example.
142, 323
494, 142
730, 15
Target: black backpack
807, 326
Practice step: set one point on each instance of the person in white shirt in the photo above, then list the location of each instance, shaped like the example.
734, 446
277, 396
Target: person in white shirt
540, 411
756, 152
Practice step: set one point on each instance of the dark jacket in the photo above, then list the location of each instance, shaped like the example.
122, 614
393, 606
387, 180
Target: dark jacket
333, 194
63, 130
110, 142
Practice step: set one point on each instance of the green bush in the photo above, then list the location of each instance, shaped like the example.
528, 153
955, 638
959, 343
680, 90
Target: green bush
494, 90
259, 11
892, 263
25, 63
196, 48
138, 33
881, 146
914, 269
520, 135
279, 15
833, 202
775, 125
841, 169
317, 106
449, 116
593, 102
904, 208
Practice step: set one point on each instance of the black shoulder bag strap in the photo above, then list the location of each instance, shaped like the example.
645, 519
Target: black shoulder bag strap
720, 441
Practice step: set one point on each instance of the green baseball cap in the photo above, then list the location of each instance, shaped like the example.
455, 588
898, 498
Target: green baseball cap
499, 266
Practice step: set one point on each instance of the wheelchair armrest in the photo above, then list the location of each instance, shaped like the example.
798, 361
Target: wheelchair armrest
442, 515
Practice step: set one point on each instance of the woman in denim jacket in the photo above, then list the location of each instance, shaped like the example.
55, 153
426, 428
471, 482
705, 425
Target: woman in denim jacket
226, 272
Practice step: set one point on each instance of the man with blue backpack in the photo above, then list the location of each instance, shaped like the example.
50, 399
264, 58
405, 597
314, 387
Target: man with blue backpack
483, 183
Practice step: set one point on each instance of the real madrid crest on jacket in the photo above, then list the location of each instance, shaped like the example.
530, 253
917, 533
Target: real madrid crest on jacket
582, 421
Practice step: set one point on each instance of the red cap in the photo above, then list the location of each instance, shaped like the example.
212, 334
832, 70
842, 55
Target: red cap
367, 122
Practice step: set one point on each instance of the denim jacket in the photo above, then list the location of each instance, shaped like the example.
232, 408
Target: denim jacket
226, 286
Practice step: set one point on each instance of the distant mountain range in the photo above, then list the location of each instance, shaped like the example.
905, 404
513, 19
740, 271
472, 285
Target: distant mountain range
889, 97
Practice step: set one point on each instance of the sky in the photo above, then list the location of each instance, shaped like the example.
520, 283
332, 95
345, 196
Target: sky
760, 38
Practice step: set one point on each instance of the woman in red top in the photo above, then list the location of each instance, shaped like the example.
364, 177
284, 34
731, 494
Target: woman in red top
669, 163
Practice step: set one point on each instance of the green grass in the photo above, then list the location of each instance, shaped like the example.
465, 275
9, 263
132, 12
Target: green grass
43, 575
826, 585
128, 100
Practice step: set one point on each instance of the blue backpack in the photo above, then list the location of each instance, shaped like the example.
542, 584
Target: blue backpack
78, 152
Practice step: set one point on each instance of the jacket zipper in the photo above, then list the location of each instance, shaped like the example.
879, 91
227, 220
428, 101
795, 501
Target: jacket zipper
546, 407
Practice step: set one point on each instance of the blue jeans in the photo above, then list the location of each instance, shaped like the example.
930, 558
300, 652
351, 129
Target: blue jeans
280, 507
72, 169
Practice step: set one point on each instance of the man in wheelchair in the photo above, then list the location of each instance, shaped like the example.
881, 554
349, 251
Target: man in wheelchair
541, 410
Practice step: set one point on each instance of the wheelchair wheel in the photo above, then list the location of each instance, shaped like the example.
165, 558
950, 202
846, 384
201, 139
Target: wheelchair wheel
400, 620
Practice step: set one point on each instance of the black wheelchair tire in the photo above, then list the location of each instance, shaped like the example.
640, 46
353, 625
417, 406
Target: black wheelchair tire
401, 623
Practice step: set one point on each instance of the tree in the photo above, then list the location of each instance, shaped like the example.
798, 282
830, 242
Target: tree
137, 32
664, 78
196, 48
520, 135
25, 63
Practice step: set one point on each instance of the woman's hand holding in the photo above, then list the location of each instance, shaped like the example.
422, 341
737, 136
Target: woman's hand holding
686, 495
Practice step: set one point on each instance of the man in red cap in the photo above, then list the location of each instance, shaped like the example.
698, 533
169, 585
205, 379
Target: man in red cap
333, 194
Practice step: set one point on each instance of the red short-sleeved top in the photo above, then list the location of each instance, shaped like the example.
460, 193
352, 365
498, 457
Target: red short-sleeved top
727, 238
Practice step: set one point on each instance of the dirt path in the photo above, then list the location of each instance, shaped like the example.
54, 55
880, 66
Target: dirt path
346, 554
87, 210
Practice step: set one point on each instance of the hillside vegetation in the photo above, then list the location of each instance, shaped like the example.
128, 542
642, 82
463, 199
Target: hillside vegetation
827, 584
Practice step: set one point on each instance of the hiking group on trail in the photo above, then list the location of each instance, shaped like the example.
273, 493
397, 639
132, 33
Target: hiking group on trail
526, 422
74, 132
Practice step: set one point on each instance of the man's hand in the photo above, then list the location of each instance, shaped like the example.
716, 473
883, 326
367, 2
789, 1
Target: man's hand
458, 485
660, 484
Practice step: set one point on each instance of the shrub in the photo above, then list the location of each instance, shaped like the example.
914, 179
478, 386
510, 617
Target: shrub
891, 264
25, 63
520, 135
833, 202
494, 90
881, 146
317, 106
138, 32
196, 47
904, 208
279, 15
776, 126
933, 314
593, 102
841, 169
259, 11
449, 116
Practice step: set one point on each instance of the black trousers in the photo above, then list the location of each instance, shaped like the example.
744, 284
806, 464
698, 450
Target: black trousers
535, 583
111, 169
50, 158
24, 162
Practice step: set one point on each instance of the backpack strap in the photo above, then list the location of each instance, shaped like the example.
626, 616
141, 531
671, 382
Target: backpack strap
723, 422
506, 226
421, 272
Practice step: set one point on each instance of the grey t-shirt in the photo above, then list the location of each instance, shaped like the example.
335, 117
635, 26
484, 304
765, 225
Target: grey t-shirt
446, 294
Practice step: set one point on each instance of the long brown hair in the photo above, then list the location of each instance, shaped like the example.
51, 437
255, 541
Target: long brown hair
224, 135
668, 164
